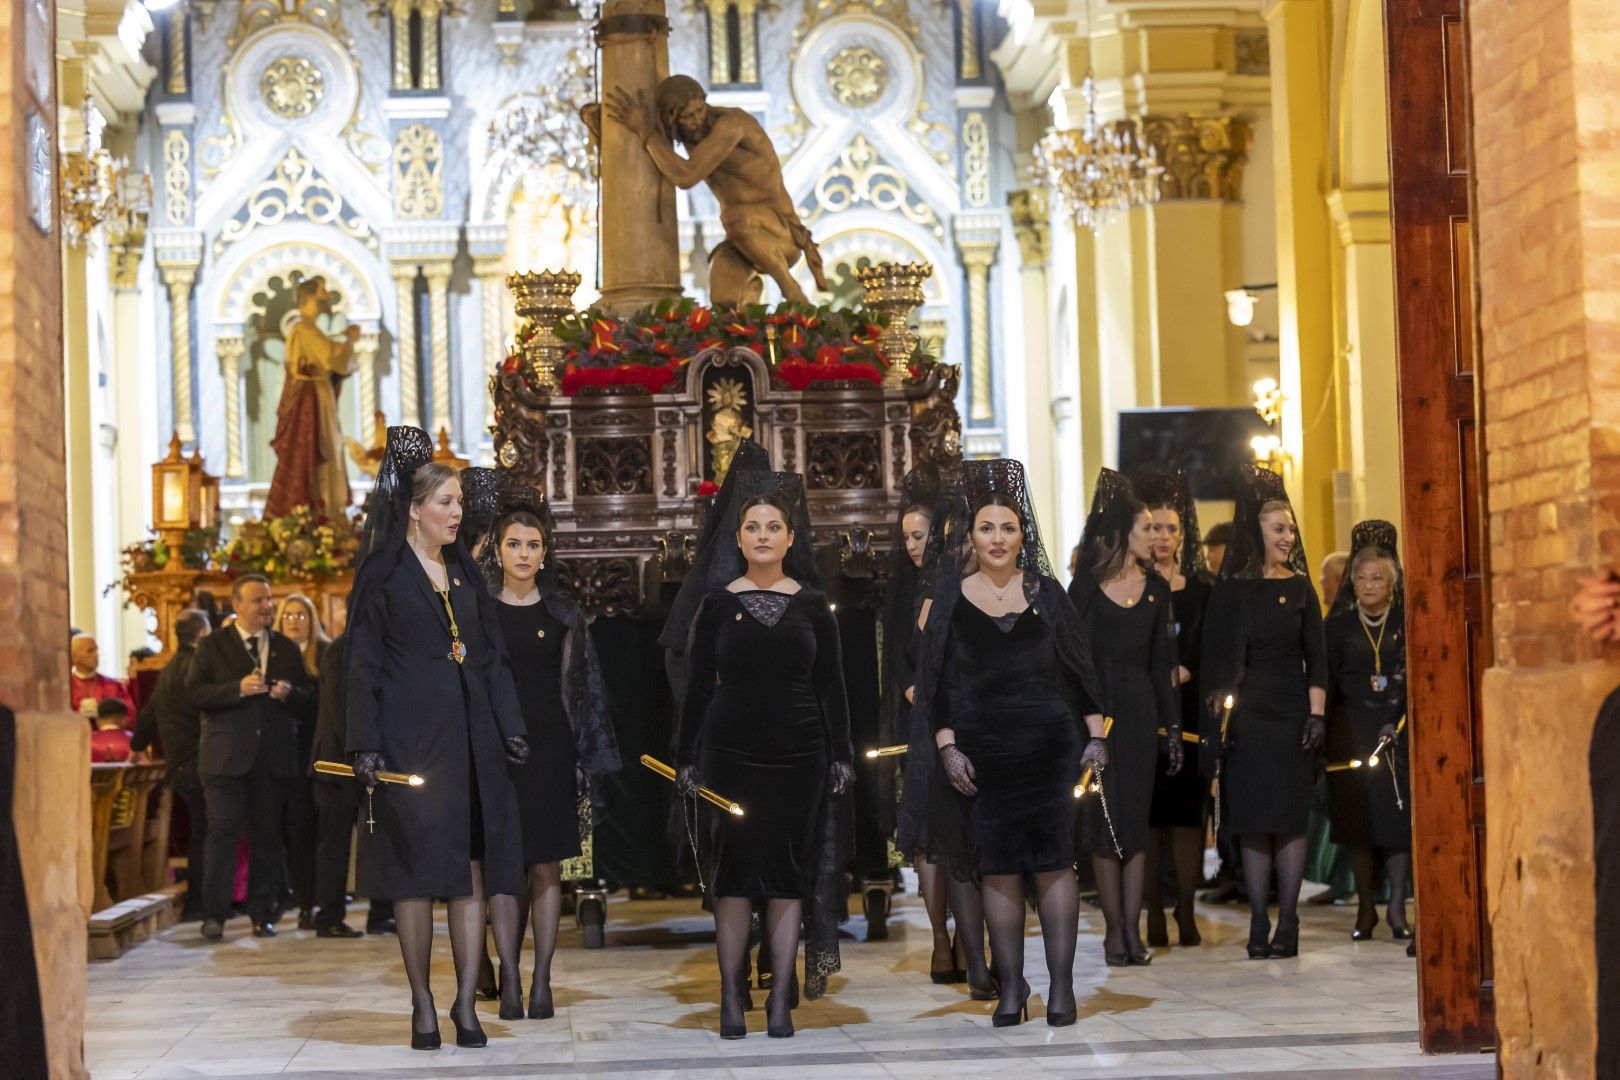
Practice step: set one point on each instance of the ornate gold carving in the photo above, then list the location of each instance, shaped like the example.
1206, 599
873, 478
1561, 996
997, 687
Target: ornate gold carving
977, 257
410, 392
418, 173
976, 160
176, 177
748, 43
817, 12
1253, 48
295, 189
292, 87
230, 350
179, 80
438, 281
894, 289
429, 75
1202, 156
968, 27
727, 400
401, 15
257, 14
179, 277
861, 177
795, 131
937, 139
857, 76
720, 42
1030, 214
542, 300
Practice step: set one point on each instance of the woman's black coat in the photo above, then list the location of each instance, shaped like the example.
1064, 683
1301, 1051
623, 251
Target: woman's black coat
409, 701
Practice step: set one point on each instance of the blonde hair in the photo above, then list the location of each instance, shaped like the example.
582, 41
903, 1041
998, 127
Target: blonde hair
317, 632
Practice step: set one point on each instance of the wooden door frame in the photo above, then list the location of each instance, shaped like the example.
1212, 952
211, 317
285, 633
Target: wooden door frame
1444, 548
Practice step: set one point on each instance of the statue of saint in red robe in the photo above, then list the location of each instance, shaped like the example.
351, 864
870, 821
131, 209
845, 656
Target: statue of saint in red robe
309, 440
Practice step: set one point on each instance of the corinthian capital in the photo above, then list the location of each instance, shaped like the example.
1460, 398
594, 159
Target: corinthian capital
1202, 156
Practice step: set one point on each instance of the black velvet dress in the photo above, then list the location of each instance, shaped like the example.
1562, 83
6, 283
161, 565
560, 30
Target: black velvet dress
547, 801
1133, 654
1361, 802
764, 714
1179, 801
1263, 636
1001, 690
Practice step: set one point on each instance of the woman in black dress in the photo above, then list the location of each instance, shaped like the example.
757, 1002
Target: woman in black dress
430, 692
1176, 818
1004, 680
1366, 652
1263, 646
1125, 607
765, 722
559, 686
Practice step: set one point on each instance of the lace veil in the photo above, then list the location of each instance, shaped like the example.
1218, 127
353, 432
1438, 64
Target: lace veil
1162, 487
1246, 555
388, 509
1380, 535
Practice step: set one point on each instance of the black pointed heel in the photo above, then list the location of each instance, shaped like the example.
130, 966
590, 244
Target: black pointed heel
1259, 931
1061, 1019
540, 1008
1013, 1018
473, 1036
510, 1011
424, 1040
1364, 927
1158, 935
1285, 944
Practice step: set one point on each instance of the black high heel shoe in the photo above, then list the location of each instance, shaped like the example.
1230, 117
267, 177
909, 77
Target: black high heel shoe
1364, 927
1142, 959
1259, 931
424, 1040
1285, 944
943, 976
1187, 935
510, 1011
487, 990
1400, 933
875, 903
473, 1036
540, 1008
783, 1030
1013, 1018
1158, 935
1061, 1019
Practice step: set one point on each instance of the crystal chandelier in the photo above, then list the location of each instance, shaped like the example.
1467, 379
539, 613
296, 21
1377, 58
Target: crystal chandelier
1100, 170
544, 133
97, 189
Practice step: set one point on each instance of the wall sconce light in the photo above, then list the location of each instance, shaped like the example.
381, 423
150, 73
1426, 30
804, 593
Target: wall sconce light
1241, 300
1268, 401
1268, 451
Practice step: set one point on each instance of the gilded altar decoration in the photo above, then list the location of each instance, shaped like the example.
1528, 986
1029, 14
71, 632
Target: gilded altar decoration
727, 399
418, 173
255, 15
310, 469
1202, 156
857, 76
295, 189
975, 160
817, 12
895, 289
292, 87
176, 177
542, 300
861, 177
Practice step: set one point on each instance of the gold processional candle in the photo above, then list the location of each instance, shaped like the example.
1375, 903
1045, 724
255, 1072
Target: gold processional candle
337, 768
708, 796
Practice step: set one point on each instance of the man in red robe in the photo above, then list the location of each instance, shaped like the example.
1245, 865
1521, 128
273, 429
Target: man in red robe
89, 687
309, 439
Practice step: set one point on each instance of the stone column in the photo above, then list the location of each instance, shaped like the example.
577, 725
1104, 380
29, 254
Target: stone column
438, 281
978, 250
230, 349
1298, 32
410, 391
1543, 162
492, 299
180, 277
640, 255
430, 11
1029, 218
365, 378
400, 15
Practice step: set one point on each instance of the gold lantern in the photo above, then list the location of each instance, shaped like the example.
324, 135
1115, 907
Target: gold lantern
184, 496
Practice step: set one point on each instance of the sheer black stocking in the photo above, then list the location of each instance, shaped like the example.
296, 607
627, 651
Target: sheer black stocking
545, 913
1257, 857
413, 921
1004, 916
1057, 899
931, 885
1158, 843
1398, 864
466, 921
968, 905
780, 933
1119, 890
1290, 863
1364, 865
731, 920
1187, 852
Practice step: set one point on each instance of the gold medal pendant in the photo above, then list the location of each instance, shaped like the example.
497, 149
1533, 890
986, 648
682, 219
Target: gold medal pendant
458, 651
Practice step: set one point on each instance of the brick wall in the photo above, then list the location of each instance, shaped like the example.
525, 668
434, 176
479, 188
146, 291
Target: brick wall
33, 502
1545, 100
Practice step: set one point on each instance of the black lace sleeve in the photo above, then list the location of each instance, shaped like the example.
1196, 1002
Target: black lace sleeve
700, 675
828, 673
584, 692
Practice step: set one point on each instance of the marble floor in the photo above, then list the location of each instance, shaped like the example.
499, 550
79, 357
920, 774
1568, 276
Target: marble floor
645, 1007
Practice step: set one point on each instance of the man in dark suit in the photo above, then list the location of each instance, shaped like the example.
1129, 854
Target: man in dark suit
250, 684
170, 719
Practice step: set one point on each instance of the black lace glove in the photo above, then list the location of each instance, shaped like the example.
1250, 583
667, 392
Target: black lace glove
839, 776
367, 764
1315, 734
687, 781
1095, 755
517, 750
1175, 752
958, 769
582, 783
1388, 734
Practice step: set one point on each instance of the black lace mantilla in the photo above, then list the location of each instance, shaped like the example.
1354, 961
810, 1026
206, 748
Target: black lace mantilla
766, 606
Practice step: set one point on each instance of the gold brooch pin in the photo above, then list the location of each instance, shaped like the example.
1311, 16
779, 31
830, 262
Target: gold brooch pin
542, 633
739, 616
456, 582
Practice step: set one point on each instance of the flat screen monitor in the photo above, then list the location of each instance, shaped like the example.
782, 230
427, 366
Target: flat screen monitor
1209, 443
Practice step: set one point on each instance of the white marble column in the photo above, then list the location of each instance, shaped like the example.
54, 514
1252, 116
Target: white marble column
365, 376
180, 277
229, 348
977, 257
492, 297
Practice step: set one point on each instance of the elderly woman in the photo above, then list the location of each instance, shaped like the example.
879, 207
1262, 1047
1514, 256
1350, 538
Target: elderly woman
1366, 651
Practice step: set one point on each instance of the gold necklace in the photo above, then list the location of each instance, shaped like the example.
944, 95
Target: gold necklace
1001, 596
1380, 681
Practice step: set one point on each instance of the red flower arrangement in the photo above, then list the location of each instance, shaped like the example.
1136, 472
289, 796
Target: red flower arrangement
651, 378
707, 488
800, 375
